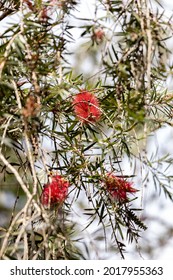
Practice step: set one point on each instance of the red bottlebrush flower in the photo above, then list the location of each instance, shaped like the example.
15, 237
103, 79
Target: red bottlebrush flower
54, 192
118, 187
86, 107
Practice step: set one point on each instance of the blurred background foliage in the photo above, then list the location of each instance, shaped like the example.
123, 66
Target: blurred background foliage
49, 52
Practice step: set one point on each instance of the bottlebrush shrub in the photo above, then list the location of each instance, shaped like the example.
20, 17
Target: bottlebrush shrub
118, 188
54, 193
86, 107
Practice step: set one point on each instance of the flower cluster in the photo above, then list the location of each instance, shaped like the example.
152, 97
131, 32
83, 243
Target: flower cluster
86, 107
54, 193
118, 187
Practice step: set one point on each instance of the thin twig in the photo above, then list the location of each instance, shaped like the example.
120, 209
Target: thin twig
7, 52
17, 175
5, 131
30, 157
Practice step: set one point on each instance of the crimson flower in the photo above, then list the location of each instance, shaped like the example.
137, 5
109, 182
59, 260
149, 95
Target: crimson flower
118, 187
86, 107
55, 192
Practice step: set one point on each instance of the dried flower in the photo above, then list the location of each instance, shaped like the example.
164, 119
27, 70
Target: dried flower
44, 14
118, 187
32, 107
29, 4
54, 193
86, 107
98, 35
